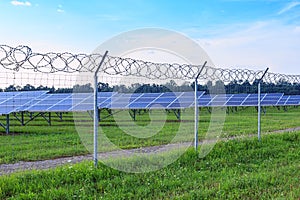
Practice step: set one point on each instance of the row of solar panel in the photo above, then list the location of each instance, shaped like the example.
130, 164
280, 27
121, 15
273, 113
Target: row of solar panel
40, 101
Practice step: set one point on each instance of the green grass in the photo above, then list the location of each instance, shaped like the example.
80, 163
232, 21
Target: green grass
245, 122
38, 141
237, 169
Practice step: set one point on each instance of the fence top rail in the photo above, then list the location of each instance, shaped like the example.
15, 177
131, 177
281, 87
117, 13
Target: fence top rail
22, 57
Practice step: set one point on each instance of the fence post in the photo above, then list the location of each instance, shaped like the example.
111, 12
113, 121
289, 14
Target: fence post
96, 114
196, 108
259, 106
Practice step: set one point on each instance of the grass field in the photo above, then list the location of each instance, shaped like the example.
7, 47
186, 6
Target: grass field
236, 169
39, 141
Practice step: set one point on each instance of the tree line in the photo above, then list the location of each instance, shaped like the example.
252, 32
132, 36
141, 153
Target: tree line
234, 87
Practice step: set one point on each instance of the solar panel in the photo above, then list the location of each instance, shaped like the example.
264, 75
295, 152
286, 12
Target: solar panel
124, 100
63, 102
267, 99
293, 100
168, 100
282, 101
220, 100
271, 99
236, 99
205, 100
84, 101
50, 103
142, 101
39, 101
185, 100
17, 101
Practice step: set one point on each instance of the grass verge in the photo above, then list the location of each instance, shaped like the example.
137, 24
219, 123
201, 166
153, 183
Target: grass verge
236, 169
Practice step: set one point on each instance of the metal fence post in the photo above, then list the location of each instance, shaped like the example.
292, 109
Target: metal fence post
259, 114
197, 108
259, 106
96, 114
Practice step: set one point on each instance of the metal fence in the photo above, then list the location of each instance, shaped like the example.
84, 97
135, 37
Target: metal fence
22, 58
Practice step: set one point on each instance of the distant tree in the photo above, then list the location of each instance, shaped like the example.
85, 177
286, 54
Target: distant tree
104, 87
12, 88
83, 88
28, 87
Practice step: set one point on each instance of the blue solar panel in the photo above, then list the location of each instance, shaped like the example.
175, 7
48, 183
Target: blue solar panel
164, 99
293, 100
82, 107
220, 100
59, 108
271, 99
185, 100
267, 99
205, 100
239, 100
38, 108
39, 101
48, 102
138, 105
282, 101
158, 105
236, 99
85, 101
144, 99
122, 101
177, 105
17, 101
170, 94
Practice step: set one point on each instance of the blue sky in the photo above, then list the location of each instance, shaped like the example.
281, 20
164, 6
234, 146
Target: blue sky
235, 33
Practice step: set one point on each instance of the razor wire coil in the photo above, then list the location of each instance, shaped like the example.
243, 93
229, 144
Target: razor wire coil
22, 57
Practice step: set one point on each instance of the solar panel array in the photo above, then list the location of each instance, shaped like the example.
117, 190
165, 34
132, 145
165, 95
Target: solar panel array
111, 100
292, 100
16, 101
40, 101
267, 99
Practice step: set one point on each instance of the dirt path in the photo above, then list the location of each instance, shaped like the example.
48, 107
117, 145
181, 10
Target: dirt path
47, 164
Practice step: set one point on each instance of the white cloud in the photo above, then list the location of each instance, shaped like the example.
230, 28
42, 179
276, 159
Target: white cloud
288, 7
60, 9
269, 45
20, 3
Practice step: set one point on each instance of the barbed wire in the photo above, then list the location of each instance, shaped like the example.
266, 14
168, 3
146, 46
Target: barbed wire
22, 57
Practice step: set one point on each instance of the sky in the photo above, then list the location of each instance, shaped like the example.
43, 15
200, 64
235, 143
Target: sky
253, 34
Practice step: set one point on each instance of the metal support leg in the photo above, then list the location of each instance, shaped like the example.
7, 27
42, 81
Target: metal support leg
99, 115
22, 118
134, 114
49, 115
7, 124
